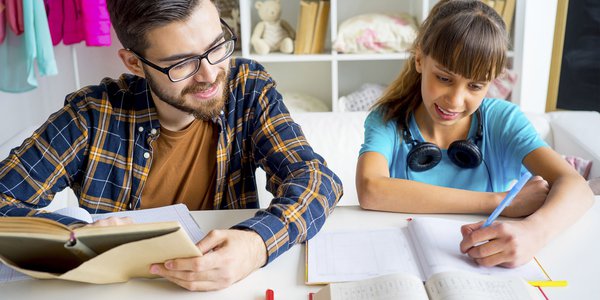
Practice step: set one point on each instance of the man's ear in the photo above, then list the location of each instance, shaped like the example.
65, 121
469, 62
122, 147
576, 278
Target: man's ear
419, 60
131, 62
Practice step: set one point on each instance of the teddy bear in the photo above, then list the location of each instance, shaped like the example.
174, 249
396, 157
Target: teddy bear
272, 33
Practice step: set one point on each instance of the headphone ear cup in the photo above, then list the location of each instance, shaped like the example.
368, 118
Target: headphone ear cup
465, 154
423, 157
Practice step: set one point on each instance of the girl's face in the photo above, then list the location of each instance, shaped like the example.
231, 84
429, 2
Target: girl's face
447, 97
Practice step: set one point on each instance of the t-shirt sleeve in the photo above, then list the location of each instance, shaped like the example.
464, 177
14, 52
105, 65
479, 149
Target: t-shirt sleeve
379, 137
517, 135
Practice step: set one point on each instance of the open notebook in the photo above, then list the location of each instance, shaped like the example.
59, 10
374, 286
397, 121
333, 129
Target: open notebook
427, 246
178, 213
441, 286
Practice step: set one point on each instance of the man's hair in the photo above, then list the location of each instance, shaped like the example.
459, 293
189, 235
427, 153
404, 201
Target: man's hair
133, 19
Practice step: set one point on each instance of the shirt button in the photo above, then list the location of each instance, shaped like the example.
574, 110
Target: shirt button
146, 155
141, 129
153, 131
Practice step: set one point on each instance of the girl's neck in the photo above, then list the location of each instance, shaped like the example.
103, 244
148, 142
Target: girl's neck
441, 135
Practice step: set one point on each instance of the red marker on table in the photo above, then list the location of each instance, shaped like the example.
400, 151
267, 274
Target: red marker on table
270, 294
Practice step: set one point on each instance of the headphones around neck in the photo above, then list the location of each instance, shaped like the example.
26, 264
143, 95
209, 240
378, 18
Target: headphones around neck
463, 153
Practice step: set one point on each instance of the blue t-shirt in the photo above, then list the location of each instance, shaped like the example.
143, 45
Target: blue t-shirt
507, 138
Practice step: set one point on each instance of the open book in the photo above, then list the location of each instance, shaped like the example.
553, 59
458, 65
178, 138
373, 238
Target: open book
46, 249
441, 286
425, 247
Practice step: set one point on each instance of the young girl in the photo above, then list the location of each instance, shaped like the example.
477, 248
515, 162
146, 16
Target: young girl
434, 144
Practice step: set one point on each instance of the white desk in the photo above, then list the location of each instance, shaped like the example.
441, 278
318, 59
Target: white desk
573, 256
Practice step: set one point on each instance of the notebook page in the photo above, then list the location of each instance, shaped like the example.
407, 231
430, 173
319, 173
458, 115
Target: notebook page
387, 287
176, 212
438, 242
472, 286
337, 256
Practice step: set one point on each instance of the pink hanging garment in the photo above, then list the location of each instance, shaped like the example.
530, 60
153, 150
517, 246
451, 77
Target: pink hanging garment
2, 21
14, 14
73, 26
97, 22
54, 10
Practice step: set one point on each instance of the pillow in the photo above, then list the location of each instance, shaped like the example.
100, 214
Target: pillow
502, 86
595, 185
583, 166
377, 33
363, 98
299, 102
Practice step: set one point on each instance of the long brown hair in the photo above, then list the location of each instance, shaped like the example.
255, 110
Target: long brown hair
465, 36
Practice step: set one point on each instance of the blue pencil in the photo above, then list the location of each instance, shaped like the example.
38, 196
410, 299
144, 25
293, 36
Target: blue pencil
508, 199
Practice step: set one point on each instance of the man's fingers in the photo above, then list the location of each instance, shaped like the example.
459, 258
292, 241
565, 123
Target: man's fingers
213, 239
161, 270
111, 221
206, 262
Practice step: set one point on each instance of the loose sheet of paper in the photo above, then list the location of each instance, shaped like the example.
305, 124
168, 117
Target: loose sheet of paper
359, 254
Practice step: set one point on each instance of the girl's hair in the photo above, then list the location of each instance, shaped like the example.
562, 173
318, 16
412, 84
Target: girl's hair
465, 36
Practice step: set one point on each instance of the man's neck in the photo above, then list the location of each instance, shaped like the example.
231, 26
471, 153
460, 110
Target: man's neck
172, 118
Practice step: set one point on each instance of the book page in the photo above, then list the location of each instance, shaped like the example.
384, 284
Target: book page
473, 286
177, 212
75, 212
387, 287
338, 256
438, 243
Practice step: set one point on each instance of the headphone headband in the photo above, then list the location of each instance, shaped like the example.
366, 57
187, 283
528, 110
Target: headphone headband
425, 155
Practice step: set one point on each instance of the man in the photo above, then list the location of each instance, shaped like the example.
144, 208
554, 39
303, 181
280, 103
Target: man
189, 126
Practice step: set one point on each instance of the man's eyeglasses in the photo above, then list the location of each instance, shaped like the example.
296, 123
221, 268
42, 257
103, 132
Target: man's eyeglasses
190, 66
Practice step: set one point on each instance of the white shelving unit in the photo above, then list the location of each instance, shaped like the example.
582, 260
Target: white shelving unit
331, 75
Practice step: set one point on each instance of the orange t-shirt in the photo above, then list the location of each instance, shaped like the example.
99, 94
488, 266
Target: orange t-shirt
184, 168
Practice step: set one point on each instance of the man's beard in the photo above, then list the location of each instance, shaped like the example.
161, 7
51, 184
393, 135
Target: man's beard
207, 109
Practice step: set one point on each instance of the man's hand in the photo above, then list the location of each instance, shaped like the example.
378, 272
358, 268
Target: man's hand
112, 221
529, 199
229, 255
508, 244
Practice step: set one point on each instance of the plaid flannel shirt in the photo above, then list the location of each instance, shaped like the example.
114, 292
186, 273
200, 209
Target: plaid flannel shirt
100, 145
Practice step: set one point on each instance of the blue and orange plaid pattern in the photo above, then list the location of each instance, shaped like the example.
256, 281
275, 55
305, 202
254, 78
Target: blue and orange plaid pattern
99, 144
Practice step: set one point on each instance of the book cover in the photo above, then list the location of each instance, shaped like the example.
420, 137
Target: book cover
306, 26
46, 249
320, 31
508, 14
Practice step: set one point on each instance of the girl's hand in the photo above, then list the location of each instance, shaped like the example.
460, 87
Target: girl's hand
508, 244
529, 199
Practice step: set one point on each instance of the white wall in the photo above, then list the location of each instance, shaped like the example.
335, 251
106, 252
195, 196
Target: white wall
537, 17
23, 110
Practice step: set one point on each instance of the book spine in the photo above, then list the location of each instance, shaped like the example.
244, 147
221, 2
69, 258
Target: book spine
80, 249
